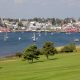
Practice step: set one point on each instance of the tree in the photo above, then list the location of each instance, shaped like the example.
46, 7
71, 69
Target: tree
69, 20
53, 21
58, 21
31, 53
49, 49
20, 24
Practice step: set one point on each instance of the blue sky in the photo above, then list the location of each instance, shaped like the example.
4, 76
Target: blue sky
39, 8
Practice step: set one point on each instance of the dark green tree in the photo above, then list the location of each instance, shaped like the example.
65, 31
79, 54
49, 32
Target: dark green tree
58, 21
31, 53
49, 49
20, 24
53, 21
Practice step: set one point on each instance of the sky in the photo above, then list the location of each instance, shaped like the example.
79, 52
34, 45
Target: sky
39, 8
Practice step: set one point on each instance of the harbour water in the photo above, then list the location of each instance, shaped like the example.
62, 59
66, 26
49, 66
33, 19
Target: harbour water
17, 41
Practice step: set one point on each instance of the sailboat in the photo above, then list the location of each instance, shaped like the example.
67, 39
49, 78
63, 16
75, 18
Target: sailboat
34, 37
19, 38
52, 33
39, 34
5, 37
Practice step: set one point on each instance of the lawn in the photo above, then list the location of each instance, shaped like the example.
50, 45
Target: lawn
60, 67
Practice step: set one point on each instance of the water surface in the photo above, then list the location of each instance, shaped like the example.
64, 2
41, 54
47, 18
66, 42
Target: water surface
13, 44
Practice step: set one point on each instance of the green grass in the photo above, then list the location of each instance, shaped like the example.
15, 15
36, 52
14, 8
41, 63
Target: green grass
61, 67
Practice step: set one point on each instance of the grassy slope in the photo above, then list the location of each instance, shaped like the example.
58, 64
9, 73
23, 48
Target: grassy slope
63, 67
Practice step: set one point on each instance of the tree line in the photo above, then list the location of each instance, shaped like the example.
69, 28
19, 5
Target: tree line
33, 52
54, 20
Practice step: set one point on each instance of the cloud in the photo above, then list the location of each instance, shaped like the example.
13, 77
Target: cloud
19, 1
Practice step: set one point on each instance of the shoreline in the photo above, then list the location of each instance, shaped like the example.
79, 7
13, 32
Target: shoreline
38, 31
14, 54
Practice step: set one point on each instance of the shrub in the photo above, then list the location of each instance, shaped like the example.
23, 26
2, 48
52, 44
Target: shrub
69, 48
19, 54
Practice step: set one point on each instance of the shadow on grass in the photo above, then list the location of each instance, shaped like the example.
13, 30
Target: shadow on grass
1, 67
36, 62
42, 61
53, 59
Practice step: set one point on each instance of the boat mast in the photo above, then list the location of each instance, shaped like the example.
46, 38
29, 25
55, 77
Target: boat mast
34, 37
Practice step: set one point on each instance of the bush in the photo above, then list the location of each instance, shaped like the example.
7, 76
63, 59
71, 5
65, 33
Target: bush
69, 48
19, 54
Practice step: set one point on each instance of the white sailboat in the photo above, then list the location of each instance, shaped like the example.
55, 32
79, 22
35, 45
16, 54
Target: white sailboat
5, 37
52, 33
39, 33
19, 38
34, 37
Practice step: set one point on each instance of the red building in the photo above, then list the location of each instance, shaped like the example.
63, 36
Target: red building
71, 29
3, 29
